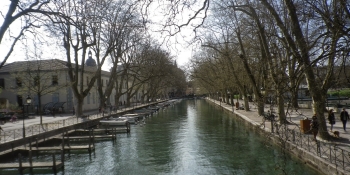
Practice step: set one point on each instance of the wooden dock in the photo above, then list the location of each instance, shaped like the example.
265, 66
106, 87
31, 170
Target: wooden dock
58, 148
28, 165
32, 165
87, 137
106, 130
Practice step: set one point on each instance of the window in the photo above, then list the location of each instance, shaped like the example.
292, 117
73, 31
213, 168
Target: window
19, 82
88, 99
55, 97
36, 81
87, 80
54, 80
2, 83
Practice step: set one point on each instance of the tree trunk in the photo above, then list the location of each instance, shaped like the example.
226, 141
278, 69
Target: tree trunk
39, 107
319, 106
79, 110
280, 108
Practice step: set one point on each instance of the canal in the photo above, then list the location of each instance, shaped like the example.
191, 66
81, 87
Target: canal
188, 138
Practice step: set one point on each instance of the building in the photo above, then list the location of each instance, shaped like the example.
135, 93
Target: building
23, 78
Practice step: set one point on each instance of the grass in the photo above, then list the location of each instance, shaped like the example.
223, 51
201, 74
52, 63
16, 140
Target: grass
339, 93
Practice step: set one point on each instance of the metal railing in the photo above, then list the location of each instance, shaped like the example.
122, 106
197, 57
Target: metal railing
16, 134
327, 150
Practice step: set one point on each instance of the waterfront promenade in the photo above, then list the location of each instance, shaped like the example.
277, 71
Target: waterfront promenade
14, 130
328, 156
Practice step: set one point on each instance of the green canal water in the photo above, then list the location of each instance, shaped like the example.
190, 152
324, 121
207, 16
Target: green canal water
192, 137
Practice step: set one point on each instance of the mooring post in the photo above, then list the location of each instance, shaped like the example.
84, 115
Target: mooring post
90, 142
63, 143
54, 163
93, 137
62, 157
30, 160
20, 169
68, 140
128, 127
114, 134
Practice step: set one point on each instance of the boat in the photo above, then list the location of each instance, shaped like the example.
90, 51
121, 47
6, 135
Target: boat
114, 122
130, 119
137, 116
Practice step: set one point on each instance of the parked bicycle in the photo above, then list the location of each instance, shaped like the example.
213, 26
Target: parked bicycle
270, 116
14, 118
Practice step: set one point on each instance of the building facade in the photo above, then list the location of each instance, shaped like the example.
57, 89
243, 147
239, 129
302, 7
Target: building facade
17, 80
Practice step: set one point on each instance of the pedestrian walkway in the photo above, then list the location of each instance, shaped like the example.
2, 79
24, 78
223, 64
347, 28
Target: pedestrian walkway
292, 116
14, 130
335, 151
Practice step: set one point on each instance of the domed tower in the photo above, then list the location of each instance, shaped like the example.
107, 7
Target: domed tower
90, 61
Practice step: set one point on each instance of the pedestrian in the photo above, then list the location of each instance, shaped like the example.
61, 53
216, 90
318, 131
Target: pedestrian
0, 131
344, 116
13, 118
53, 112
314, 126
331, 118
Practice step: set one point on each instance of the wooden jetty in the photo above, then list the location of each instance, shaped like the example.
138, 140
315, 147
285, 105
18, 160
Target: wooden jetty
106, 130
31, 165
87, 137
58, 148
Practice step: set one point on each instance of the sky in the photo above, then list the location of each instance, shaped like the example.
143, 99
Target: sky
178, 45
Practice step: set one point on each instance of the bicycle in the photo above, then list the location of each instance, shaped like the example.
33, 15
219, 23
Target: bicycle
14, 120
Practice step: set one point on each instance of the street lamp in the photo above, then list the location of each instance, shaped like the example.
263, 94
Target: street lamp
28, 100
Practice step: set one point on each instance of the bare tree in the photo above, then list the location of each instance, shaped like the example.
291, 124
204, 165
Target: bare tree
29, 14
39, 77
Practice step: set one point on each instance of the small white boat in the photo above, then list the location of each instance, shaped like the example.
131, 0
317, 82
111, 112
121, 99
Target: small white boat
130, 119
114, 122
137, 116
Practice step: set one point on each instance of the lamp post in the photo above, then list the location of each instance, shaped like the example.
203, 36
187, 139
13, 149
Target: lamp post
28, 100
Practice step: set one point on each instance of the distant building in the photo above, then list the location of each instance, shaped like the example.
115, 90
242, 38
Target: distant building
56, 72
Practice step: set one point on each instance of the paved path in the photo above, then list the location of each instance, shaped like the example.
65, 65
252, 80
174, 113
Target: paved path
294, 117
50, 119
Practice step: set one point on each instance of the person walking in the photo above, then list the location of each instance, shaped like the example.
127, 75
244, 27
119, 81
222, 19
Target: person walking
0, 131
53, 112
314, 126
331, 118
344, 116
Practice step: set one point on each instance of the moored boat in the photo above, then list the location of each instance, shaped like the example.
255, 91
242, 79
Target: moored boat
114, 122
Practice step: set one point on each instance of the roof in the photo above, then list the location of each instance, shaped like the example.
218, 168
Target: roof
43, 65
51, 64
